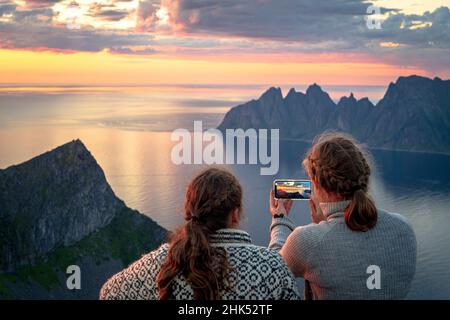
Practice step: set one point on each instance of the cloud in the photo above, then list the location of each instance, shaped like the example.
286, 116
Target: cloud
112, 15
430, 30
146, 16
67, 40
7, 7
33, 29
133, 50
282, 19
292, 20
317, 29
422, 40
107, 12
33, 4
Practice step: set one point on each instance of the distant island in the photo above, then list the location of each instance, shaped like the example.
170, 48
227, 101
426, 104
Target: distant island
413, 115
56, 210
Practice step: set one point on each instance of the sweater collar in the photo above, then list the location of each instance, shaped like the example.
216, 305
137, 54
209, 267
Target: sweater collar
230, 236
334, 209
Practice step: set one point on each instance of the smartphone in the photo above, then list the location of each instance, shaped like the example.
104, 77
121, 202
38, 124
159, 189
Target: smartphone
292, 189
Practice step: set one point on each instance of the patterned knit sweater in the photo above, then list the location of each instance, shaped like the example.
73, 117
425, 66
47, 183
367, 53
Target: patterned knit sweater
338, 262
256, 273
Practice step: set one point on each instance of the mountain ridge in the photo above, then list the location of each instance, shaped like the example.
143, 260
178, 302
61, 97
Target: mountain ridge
57, 209
413, 115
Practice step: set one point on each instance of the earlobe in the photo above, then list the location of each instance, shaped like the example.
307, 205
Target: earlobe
235, 216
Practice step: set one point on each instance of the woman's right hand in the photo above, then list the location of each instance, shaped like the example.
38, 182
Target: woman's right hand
316, 212
279, 206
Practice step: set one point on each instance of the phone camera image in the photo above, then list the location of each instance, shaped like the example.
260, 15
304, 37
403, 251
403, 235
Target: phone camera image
292, 189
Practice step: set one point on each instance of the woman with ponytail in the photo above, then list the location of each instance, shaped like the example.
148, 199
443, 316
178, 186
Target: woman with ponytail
208, 258
352, 249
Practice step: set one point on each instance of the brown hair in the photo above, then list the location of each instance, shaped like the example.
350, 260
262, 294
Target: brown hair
340, 166
210, 198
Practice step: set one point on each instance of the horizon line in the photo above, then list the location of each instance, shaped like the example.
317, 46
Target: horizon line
186, 85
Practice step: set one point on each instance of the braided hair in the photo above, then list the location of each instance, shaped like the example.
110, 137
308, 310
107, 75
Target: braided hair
210, 198
340, 166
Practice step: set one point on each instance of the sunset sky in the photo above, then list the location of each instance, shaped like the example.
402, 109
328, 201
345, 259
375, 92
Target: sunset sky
279, 42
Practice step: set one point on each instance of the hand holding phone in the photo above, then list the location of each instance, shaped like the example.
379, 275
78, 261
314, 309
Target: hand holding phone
279, 206
292, 189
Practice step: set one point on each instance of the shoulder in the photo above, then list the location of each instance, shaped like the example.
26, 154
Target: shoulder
126, 283
311, 233
395, 221
304, 241
392, 216
265, 269
151, 261
267, 254
158, 255
253, 251
257, 256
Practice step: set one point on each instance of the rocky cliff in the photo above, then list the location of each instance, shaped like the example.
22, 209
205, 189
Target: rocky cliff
413, 115
57, 210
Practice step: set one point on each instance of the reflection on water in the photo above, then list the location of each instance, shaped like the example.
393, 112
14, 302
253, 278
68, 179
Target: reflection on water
150, 111
137, 165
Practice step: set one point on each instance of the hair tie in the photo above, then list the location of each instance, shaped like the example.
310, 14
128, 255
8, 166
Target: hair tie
195, 218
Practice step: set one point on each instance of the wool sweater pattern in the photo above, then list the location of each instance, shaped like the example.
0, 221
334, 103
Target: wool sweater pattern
256, 273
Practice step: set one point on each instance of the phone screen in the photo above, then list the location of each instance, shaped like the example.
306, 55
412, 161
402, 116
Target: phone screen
292, 189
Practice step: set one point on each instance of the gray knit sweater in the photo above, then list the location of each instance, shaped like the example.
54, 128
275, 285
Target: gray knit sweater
336, 260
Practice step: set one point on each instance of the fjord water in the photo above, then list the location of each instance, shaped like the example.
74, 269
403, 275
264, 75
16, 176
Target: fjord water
138, 166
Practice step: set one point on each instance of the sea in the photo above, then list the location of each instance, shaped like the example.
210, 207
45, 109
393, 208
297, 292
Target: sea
128, 131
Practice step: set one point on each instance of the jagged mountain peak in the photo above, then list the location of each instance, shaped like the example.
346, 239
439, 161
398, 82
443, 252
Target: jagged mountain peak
365, 102
59, 196
413, 82
72, 148
347, 101
314, 89
291, 92
411, 106
74, 144
293, 95
57, 209
75, 150
412, 87
412, 79
272, 93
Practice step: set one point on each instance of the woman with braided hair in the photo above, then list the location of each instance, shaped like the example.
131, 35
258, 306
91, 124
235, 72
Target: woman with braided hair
352, 249
208, 257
